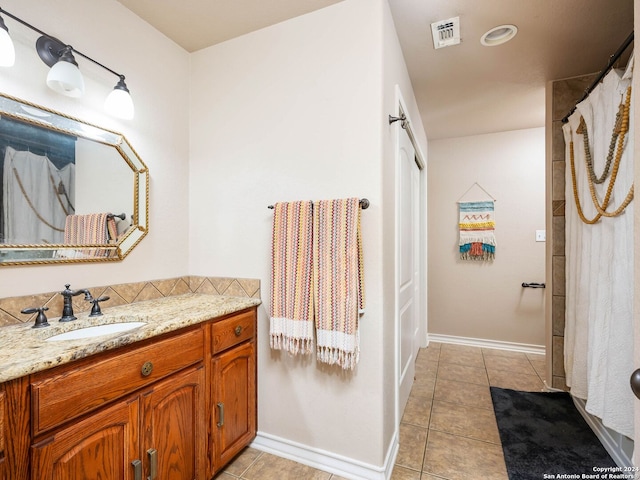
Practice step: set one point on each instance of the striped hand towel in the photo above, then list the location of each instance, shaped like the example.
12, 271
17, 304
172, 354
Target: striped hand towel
86, 229
92, 228
338, 281
291, 313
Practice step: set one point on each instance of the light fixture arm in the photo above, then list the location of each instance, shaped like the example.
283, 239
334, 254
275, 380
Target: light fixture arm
97, 63
55, 42
19, 20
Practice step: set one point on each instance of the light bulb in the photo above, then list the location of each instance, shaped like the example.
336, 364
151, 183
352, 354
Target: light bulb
119, 103
7, 50
65, 77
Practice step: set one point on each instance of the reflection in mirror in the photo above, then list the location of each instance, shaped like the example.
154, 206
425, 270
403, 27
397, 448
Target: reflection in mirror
71, 191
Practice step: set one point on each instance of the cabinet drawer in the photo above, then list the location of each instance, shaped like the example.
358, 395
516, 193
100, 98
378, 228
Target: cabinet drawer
67, 392
233, 330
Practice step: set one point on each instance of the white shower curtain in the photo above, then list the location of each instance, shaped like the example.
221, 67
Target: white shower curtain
35, 204
599, 264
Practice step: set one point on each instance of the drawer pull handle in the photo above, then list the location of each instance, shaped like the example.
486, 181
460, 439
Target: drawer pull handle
137, 469
220, 414
153, 463
238, 330
147, 368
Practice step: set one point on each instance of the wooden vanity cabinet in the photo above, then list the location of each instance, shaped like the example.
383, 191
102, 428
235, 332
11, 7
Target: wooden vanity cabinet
234, 386
157, 434
175, 407
152, 426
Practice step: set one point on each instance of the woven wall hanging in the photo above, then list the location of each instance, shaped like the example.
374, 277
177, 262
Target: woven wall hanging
477, 230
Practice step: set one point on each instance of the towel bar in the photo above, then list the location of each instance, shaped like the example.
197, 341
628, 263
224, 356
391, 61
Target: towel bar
364, 204
533, 285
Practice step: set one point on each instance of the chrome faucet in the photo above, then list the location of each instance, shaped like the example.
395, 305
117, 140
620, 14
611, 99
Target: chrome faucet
67, 309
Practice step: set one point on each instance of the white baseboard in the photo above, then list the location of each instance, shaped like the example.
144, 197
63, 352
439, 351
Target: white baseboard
327, 461
481, 342
611, 445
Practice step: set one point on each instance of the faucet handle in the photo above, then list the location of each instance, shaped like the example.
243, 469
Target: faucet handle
95, 310
41, 318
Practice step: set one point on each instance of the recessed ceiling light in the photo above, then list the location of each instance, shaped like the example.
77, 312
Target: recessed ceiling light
499, 35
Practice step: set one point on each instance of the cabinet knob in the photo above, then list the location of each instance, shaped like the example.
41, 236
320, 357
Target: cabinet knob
146, 369
238, 330
635, 383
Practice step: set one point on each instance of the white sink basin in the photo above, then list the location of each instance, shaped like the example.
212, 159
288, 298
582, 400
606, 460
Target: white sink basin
89, 332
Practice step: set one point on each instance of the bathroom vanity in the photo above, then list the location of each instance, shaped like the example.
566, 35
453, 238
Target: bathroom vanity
172, 399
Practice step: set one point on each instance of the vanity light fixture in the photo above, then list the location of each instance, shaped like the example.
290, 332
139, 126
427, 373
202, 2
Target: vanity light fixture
65, 77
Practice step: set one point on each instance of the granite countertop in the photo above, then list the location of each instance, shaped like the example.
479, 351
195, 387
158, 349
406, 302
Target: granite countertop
24, 350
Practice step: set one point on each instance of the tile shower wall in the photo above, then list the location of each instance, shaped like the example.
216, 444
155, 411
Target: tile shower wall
565, 94
126, 293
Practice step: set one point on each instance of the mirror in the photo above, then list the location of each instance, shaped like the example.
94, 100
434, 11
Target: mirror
71, 191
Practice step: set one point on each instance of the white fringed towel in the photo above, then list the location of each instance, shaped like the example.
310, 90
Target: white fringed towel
338, 281
291, 326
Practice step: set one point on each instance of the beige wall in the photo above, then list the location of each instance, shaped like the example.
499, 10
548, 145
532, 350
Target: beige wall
296, 111
481, 300
154, 66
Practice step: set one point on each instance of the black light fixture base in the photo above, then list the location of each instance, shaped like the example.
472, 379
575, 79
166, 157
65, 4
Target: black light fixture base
49, 49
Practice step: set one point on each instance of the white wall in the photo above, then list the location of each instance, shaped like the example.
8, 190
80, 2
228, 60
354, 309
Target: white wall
157, 74
485, 300
296, 111
293, 112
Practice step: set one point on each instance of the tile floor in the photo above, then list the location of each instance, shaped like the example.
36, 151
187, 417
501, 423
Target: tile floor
448, 430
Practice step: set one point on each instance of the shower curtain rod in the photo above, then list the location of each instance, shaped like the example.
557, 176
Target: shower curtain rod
612, 60
364, 204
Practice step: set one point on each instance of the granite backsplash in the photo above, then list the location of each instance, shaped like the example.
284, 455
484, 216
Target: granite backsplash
126, 293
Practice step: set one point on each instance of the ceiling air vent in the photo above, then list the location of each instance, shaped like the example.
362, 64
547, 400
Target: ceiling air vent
446, 32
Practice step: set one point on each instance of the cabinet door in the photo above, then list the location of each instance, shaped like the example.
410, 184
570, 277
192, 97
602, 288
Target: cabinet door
14, 430
174, 436
234, 399
102, 446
